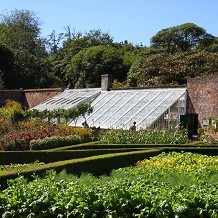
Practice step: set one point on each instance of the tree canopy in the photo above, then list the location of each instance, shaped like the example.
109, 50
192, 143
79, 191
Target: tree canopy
20, 32
173, 69
184, 37
88, 65
81, 58
6, 66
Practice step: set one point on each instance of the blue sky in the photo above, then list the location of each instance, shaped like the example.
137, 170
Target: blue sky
133, 20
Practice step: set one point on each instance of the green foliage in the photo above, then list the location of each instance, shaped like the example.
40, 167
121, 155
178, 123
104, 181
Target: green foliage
116, 84
54, 142
75, 42
72, 113
181, 161
214, 124
209, 134
89, 64
18, 136
80, 59
12, 112
143, 137
147, 190
184, 37
20, 32
173, 69
7, 66
213, 47
18, 167
84, 133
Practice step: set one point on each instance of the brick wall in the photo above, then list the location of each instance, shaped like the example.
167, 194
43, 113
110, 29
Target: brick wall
30, 97
203, 96
37, 96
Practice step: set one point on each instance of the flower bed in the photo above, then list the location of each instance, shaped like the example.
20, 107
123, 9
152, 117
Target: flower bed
20, 136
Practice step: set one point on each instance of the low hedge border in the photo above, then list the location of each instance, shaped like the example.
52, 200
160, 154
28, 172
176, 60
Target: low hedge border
92, 148
105, 146
96, 165
101, 164
54, 142
70, 147
22, 157
210, 151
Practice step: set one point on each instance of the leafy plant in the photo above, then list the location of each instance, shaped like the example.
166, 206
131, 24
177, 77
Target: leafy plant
162, 186
61, 114
12, 112
18, 167
143, 137
54, 142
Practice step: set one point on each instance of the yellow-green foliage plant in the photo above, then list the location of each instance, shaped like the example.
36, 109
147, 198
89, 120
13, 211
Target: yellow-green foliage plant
84, 134
12, 111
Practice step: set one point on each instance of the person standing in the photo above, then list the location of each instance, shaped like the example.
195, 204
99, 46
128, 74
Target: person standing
85, 125
133, 126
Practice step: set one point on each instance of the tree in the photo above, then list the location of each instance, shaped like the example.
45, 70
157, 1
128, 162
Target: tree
139, 57
6, 66
20, 32
184, 37
54, 42
88, 65
213, 47
173, 69
74, 43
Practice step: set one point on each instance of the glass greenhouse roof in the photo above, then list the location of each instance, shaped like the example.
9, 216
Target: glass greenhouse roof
120, 108
69, 98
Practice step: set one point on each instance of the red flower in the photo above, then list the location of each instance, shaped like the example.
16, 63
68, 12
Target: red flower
28, 134
14, 137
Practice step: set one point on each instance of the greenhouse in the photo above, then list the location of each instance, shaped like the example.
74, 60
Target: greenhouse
149, 108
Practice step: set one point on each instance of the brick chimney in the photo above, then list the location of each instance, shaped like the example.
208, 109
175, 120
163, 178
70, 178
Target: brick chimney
106, 82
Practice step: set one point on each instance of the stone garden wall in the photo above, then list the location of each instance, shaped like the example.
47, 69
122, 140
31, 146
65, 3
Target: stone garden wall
29, 97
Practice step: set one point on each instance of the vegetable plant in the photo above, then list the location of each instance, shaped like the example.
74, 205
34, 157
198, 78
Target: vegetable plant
168, 185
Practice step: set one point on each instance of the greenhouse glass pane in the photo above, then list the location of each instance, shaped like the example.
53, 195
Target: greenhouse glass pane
121, 107
122, 120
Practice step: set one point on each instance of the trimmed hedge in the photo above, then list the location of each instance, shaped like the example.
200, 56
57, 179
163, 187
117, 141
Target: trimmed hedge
54, 142
96, 165
46, 156
97, 145
86, 145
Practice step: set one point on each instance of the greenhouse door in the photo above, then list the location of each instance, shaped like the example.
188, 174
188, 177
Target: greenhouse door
190, 121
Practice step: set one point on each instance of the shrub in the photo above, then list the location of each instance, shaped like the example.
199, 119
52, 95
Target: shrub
4, 127
143, 137
54, 142
12, 111
85, 134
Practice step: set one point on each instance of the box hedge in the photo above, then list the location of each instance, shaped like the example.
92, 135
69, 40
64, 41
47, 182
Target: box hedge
54, 142
96, 165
